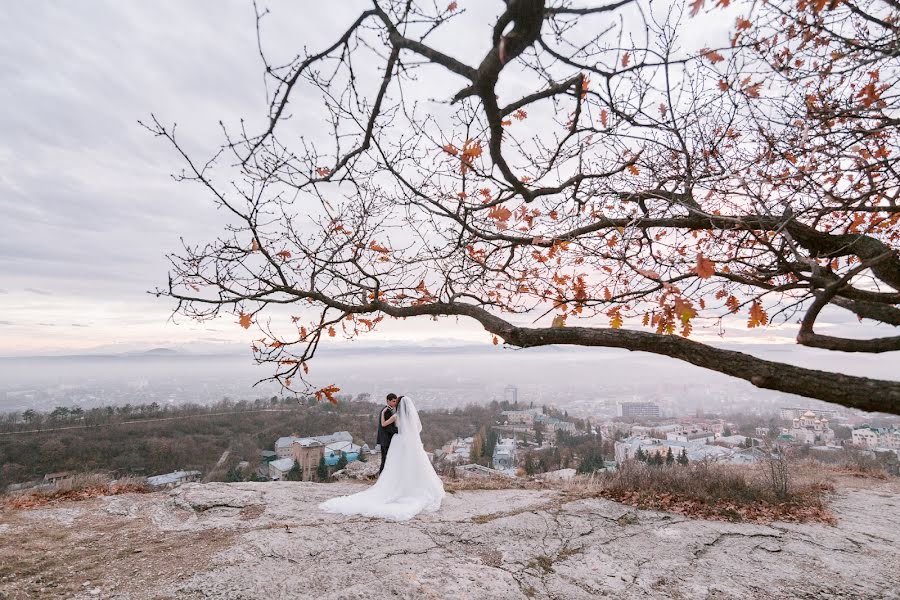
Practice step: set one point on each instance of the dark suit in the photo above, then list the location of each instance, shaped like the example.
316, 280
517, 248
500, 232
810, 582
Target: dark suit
385, 434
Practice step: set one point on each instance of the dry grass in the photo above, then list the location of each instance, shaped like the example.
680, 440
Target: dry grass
716, 491
699, 490
79, 487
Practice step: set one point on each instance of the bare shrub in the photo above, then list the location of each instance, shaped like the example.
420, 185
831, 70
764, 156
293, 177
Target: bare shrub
776, 468
711, 490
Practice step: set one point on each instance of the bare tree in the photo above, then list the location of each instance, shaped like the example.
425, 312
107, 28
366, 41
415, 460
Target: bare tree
587, 168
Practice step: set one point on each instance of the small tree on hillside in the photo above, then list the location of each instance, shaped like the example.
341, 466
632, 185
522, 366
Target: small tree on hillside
322, 469
295, 474
342, 462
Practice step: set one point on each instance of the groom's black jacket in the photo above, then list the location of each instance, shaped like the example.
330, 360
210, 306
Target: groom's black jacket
386, 433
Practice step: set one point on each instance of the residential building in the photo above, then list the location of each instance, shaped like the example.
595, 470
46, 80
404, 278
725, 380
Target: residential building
691, 434
511, 394
876, 437
747, 456
284, 445
733, 441
56, 478
171, 480
307, 452
791, 413
334, 451
517, 417
505, 454
639, 409
278, 469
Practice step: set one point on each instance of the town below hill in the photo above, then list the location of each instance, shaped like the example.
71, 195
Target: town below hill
283, 439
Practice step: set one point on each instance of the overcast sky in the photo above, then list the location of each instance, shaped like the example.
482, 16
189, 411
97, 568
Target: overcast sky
89, 207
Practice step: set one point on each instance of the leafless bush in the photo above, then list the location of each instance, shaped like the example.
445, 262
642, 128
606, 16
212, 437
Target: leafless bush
775, 467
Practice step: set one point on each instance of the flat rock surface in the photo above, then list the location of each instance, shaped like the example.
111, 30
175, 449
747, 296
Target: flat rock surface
268, 540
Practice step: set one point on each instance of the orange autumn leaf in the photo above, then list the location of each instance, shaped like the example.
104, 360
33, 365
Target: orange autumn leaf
495, 340
373, 245
733, 304
245, 320
704, 268
626, 58
254, 245
331, 331
452, 6
711, 55
604, 117
285, 254
520, 114
451, 149
328, 393
323, 171
500, 213
471, 151
634, 170
615, 318
506, 122
758, 316
723, 85
696, 6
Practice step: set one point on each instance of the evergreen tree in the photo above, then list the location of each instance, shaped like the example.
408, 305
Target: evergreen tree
727, 432
640, 455
683, 458
670, 458
361, 457
322, 469
295, 474
342, 462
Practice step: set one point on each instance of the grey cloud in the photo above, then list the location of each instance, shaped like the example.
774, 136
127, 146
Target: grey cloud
6, 323
39, 292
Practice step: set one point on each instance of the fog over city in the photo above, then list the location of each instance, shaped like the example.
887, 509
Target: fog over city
584, 381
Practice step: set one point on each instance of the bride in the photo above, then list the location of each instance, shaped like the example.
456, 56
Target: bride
407, 486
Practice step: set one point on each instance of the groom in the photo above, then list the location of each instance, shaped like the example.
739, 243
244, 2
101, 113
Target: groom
387, 427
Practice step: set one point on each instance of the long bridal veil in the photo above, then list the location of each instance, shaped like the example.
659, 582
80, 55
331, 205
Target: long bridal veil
407, 486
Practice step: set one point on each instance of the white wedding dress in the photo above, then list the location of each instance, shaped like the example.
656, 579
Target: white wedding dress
407, 485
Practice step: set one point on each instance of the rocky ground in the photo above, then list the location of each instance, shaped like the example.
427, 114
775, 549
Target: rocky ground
268, 540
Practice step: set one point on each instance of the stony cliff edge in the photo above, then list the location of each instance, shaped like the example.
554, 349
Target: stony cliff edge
268, 540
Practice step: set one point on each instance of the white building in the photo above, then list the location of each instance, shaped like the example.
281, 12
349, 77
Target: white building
170, 480
284, 445
809, 429
505, 454
691, 435
278, 469
876, 437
